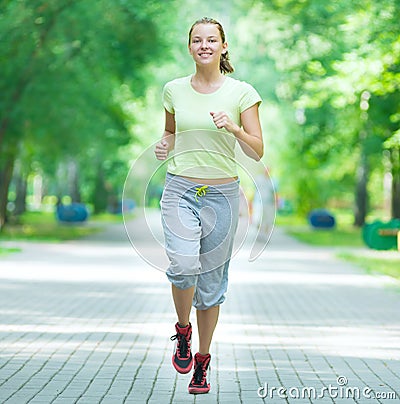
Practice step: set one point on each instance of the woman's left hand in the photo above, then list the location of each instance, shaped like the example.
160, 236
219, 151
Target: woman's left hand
222, 120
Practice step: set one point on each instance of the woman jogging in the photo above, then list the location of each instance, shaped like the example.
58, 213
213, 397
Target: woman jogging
205, 115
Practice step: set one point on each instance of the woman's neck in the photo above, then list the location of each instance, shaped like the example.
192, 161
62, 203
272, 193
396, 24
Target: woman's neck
208, 74
206, 80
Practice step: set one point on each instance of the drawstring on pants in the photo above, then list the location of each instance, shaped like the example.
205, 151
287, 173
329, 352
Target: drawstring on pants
201, 191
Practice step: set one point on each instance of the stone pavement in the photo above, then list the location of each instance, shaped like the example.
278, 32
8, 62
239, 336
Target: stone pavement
89, 322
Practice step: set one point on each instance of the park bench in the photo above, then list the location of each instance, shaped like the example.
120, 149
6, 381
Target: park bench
391, 233
382, 236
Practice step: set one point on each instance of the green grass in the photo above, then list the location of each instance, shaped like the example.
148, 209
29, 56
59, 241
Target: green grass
111, 218
4, 251
343, 236
386, 266
344, 233
43, 226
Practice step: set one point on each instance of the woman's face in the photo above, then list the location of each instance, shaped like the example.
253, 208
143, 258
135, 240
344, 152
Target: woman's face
206, 44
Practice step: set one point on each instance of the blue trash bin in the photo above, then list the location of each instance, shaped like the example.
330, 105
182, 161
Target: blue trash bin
321, 219
74, 212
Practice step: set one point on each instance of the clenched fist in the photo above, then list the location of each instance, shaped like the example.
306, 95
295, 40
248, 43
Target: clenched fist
162, 149
222, 120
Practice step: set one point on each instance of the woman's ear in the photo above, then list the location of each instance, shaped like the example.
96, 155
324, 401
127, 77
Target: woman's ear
224, 48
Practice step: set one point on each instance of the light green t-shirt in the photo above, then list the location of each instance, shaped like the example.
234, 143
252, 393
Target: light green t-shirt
201, 150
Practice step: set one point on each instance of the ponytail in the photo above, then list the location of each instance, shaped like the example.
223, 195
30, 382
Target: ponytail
225, 65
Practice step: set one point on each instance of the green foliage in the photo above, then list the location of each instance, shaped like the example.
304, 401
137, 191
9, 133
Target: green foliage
63, 67
81, 84
337, 64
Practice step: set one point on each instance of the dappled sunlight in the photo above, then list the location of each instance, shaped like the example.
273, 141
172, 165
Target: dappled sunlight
89, 310
83, 335
295, 277
114, 269
360, 341
81, 326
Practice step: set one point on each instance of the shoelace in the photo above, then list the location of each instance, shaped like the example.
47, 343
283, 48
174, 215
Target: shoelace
183, 345
201, 191
199, 374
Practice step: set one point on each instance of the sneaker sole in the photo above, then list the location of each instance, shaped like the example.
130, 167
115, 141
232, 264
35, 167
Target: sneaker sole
182, 370
199, 390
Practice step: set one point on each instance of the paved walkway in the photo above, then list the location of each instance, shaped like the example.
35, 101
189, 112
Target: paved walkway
89, 322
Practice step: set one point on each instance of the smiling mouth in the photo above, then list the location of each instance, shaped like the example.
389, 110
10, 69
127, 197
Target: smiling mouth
205, 54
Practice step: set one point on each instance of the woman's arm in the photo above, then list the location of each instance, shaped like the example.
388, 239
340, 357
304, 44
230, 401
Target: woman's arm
249, 135
167, 142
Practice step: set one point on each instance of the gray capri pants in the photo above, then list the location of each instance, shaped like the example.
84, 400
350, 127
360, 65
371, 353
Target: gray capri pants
199, 223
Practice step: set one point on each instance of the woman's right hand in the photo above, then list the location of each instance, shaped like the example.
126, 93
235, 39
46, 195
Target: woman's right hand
161, 151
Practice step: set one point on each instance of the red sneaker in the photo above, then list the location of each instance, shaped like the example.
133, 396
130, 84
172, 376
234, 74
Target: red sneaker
198, 384
182, 358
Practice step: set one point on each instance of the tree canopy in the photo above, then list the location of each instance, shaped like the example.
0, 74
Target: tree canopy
80, 86
64, 72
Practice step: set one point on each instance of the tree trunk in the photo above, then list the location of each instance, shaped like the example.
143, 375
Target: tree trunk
73, 182
19, 178
6, 170
100, 194
20, 197
396, 198
395, 161
361, 195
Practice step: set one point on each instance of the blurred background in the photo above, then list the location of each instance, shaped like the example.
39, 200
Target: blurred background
80, 101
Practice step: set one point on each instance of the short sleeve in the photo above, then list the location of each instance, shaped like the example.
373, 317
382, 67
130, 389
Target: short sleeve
167, 98
249, 97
